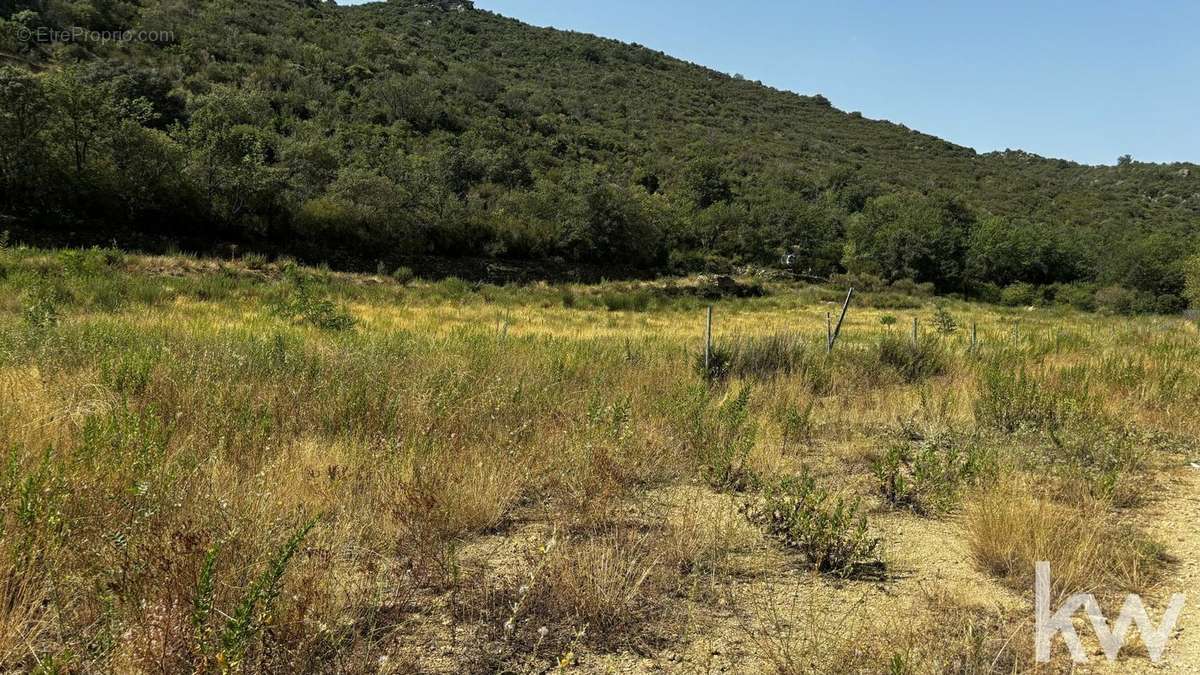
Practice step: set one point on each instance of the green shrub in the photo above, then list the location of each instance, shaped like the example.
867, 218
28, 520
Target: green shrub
567, 297
253, 613
1010, 401
302, 304
403, 275
757, 357
887, 320
41, 309
913, 362
927, 475
1020, 295
633, 301
720, 440
830, 532
943, 321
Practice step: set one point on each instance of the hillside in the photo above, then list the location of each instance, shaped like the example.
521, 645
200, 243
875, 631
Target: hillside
372, 134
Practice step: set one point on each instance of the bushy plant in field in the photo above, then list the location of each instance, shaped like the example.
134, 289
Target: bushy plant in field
830, 532
301, 303
720, 438
757, 357
927, 475
403, 275
226, 648
1012, 400
913, 362
944, 322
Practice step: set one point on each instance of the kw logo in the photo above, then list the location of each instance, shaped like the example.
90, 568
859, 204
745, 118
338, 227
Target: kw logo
1111, 639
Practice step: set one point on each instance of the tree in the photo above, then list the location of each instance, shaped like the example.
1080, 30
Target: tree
1192, 273
231, 146
706, 182
1003, 251
24, 107
910, 236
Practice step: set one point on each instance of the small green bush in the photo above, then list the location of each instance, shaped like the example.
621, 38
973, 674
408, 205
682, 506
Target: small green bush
720, 439
927, 475
1011, 401
1020, 295
944, 322
302, 304
632, 301
913, 362
403, 275
830, 532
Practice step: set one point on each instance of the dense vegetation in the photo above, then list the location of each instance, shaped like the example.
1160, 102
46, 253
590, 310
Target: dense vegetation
373, 134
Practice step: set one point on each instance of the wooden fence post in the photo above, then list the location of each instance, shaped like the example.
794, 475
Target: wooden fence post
914, 333
828, 332
708, 342
974, 336
833, 336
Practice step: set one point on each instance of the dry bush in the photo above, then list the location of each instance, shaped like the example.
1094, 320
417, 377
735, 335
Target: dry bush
604, 591
807, 630
705, 534
23, 620
1010, 528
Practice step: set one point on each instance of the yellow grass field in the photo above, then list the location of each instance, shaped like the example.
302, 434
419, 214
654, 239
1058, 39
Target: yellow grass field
249, 467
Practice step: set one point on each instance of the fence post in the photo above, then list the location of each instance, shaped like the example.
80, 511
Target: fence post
914, 334
974, 336
708, 342
828, 333
838, 330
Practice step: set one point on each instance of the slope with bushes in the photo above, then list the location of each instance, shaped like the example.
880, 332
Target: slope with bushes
394, 130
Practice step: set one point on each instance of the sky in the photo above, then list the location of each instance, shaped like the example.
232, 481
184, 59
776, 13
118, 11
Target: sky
1081, 80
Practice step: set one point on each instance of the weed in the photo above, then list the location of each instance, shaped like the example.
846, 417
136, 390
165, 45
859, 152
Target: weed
830, 532
1011, 400
255, 610
403, 275
303, 304
928, 475
723, 445
944, 322
912, 362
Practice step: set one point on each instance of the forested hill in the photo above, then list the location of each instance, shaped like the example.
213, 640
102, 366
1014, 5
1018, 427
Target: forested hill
374, 133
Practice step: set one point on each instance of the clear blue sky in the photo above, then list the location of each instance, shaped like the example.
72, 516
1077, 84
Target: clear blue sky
1084, 80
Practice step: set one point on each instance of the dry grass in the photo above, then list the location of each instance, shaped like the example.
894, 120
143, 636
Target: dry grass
1010, 528
168, 415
